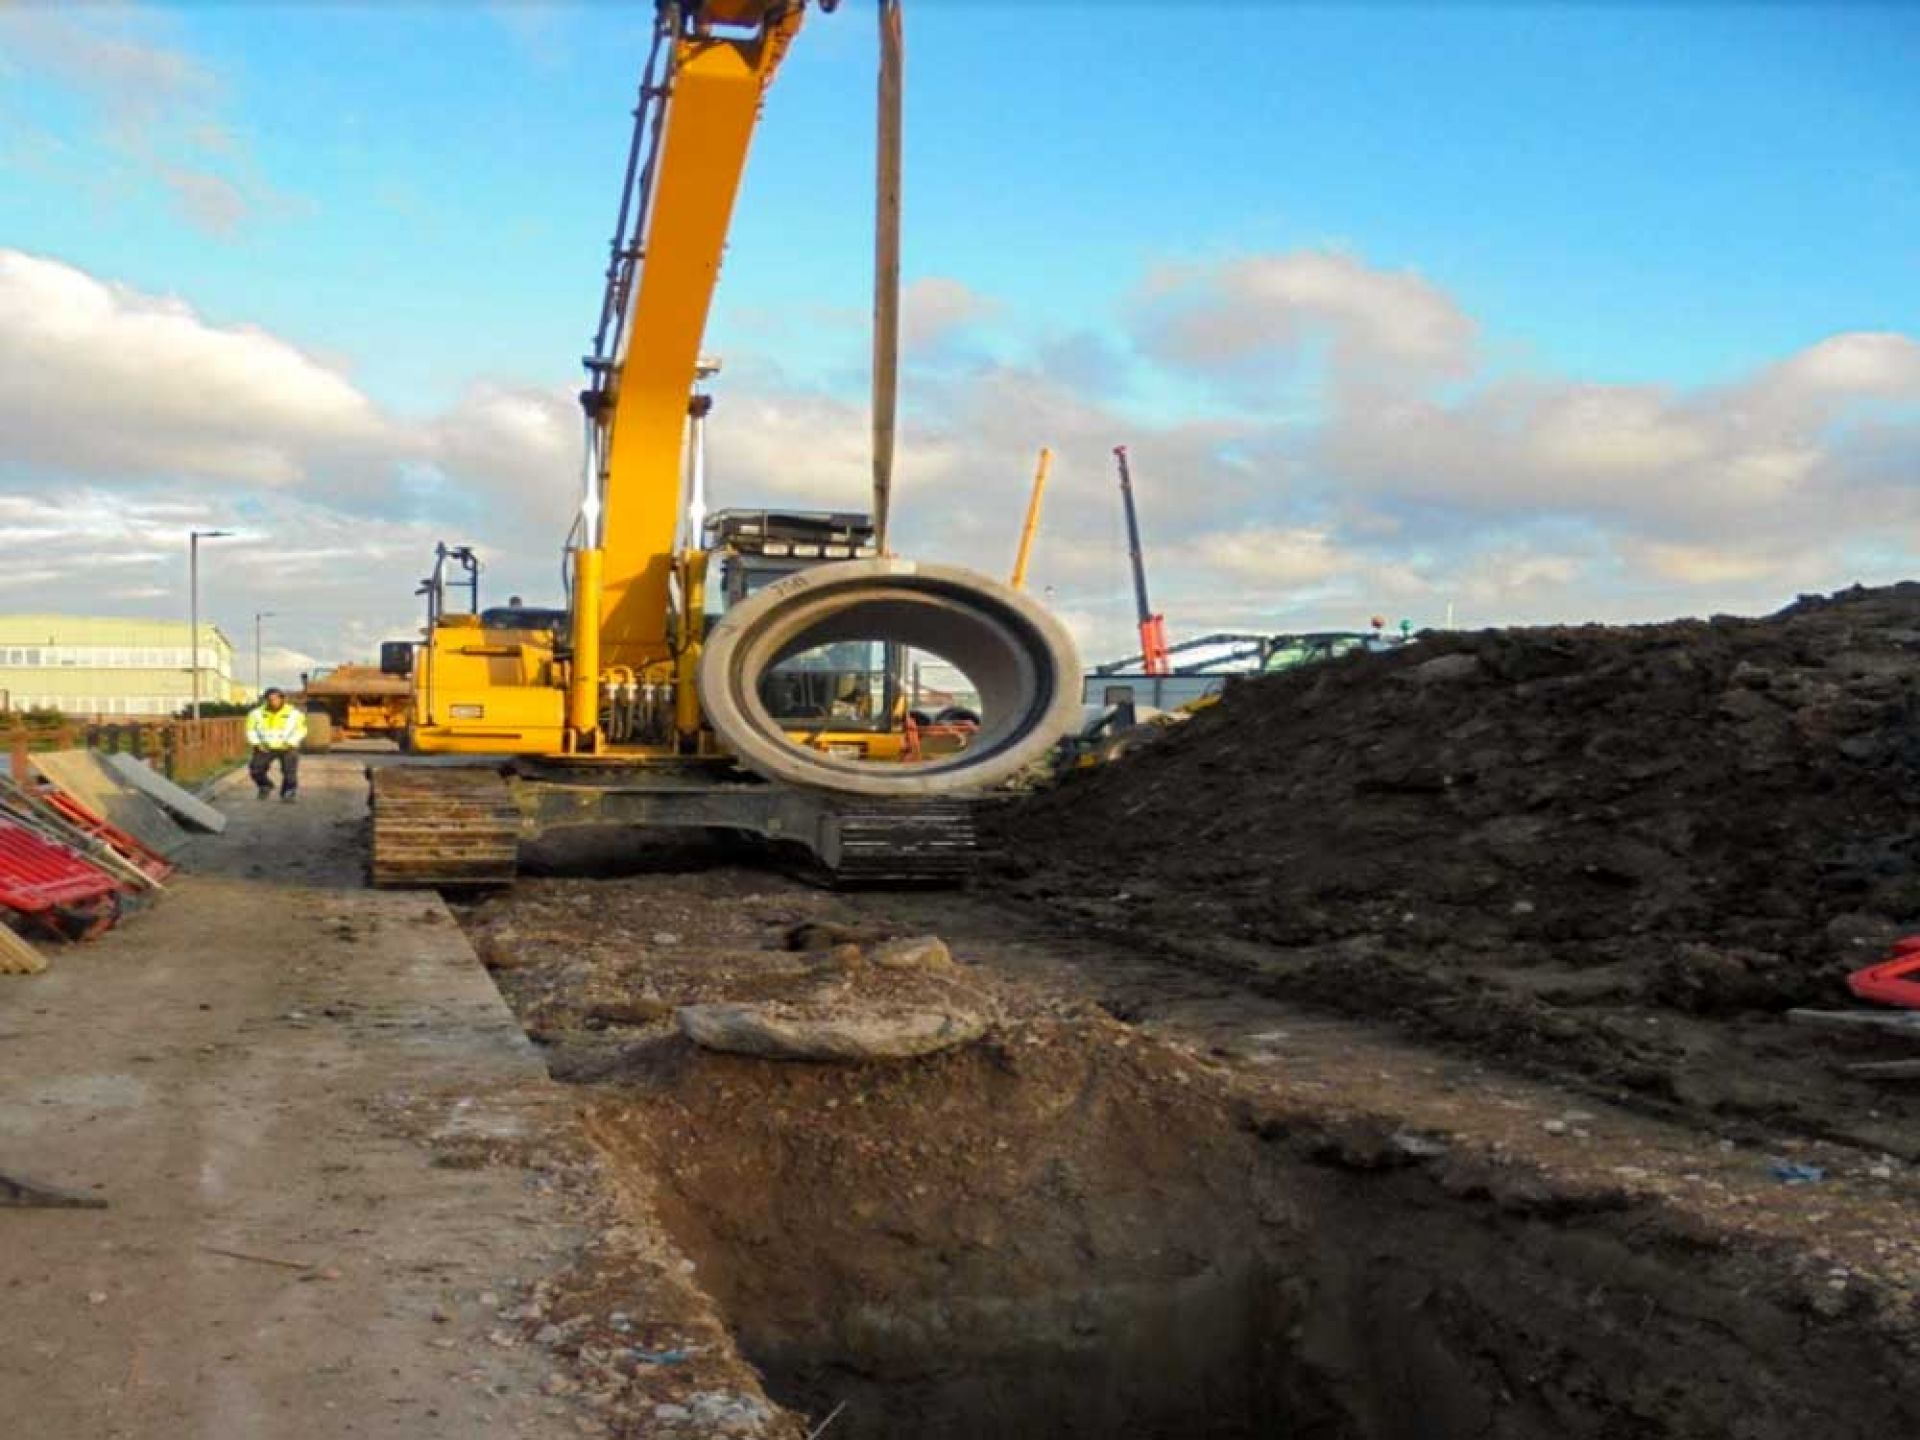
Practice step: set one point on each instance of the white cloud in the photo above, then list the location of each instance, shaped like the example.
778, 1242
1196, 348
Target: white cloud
100, 379
515, 453
537, 31
1373, 324
1414, 462
1273, 556
773, 442
1613, 434
210, 202
1851, 366
130, 420
102, 54
935, 308
336, 584
1413, 487
1771, 449
1702, 564
156, 111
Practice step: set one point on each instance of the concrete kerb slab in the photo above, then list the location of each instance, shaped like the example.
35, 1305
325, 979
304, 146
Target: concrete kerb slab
87, 778
182, 804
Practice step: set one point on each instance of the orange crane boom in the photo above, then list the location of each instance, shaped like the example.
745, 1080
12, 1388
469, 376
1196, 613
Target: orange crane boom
1153, 626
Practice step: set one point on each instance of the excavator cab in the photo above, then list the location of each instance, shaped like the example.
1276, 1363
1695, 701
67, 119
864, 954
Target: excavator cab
482, 681
524, 617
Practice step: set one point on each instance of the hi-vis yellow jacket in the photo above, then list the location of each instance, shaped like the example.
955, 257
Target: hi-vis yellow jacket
281, 729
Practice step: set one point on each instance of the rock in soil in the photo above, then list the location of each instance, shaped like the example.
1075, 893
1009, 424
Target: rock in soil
830, 934
880, 1032
922, 952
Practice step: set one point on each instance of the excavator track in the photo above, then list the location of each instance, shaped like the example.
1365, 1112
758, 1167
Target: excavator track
442, 825
438, 825
914, 843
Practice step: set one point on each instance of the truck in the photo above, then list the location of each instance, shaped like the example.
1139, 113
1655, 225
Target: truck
354, 702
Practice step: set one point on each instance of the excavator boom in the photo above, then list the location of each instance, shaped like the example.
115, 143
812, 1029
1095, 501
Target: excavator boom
706, 104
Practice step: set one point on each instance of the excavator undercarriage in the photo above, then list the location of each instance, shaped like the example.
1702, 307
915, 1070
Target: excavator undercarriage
461, 826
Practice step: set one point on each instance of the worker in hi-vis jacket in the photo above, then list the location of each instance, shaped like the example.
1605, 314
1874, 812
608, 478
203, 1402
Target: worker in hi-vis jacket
275, 730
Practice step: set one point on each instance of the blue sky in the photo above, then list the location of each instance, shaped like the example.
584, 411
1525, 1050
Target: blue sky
1624, 192
1648, 198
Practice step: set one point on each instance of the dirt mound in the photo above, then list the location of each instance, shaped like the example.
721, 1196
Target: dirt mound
1495, 830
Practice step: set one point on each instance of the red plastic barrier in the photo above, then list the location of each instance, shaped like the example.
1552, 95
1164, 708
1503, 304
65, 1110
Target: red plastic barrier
1895, 980
150, 862
52, 885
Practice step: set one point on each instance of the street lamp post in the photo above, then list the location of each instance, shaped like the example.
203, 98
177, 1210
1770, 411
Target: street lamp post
194, 537
258, 616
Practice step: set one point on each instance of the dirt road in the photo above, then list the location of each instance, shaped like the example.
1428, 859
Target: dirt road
277, 1080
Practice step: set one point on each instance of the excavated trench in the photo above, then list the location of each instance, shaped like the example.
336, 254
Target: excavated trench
1069, 1231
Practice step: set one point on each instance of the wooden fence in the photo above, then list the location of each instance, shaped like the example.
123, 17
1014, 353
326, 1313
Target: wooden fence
185, 751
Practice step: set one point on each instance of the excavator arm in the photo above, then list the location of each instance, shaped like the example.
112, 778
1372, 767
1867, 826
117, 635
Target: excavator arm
699, 106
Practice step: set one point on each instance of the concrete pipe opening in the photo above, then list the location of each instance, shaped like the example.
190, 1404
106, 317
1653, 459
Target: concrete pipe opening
1018, 659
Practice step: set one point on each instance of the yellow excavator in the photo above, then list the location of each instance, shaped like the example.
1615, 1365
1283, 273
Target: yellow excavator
738, 669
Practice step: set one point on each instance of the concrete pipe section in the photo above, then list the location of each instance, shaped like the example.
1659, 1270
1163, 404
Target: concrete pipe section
1015, 654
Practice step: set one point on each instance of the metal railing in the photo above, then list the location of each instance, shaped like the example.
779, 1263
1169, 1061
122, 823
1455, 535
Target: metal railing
185, 751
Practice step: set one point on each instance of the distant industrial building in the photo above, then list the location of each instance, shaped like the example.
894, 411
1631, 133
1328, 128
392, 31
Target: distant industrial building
92, 666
